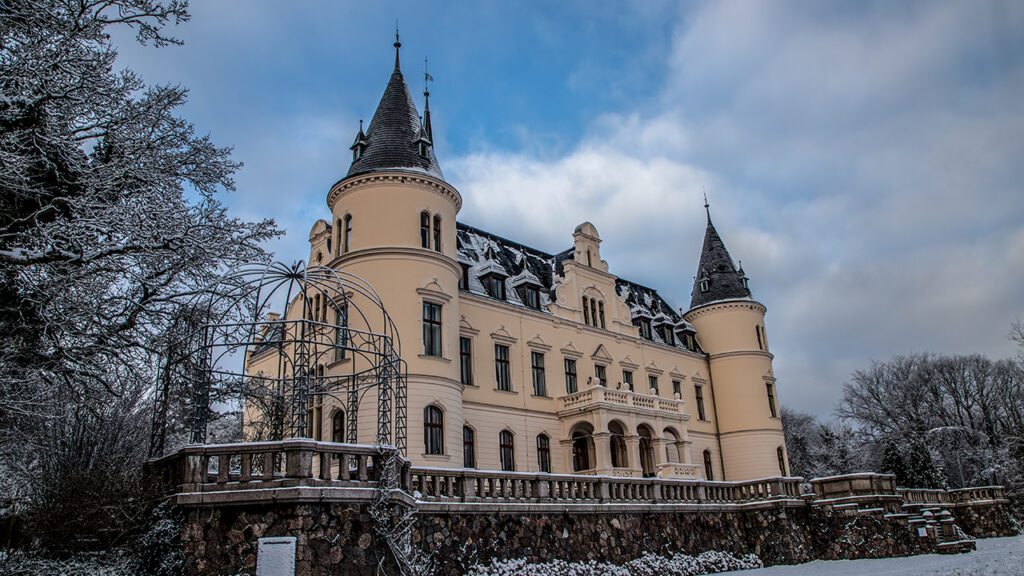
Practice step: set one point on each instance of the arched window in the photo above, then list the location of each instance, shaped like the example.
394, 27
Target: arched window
593, 312
617, 443
586, 310
468, 448
433, 430
600, 313
437, 232
580, 451
424, 230
506, 450
338, 426
339, 237
782, 460
708, 473
347, 234
543, 453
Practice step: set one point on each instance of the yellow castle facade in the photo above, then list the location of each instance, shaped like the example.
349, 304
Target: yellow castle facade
524, 360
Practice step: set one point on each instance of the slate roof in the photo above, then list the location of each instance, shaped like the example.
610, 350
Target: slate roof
724, 280
483, 253
391, 141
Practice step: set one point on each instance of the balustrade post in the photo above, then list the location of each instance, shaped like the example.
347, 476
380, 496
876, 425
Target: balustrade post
196, 468
298, 461
325, 466
245, 470
603, 490
223, 468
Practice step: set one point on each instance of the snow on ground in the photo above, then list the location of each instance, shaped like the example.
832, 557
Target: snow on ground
994, 557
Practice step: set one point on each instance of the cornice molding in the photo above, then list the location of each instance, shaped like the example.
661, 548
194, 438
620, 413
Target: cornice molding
372, 179
710, 307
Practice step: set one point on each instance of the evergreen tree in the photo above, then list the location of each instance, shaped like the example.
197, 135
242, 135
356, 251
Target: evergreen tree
892, 463
921, 469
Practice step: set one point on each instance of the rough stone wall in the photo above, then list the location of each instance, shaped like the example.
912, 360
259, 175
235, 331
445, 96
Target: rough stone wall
777, 535
330, 538
340, 539
985, 521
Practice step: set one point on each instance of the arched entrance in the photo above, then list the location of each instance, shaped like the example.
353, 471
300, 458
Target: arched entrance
582, 447
646, 450
617, 444
671, 445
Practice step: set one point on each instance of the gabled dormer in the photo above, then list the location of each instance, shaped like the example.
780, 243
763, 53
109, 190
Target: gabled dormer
492, 275
528, 286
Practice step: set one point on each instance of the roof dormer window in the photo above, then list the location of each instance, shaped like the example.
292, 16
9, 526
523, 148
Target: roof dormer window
705, 285
494, 284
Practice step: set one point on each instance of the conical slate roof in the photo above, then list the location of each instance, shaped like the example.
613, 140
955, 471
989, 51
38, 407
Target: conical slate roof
716, 266
391, 143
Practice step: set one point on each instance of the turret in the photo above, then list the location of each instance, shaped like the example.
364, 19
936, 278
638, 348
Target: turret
394, 226
730, 330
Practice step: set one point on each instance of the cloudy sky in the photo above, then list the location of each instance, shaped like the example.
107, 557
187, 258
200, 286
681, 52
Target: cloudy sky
864, 160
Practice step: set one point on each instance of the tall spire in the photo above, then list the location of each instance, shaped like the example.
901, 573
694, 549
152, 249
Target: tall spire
396, 138
427, 79
717, 276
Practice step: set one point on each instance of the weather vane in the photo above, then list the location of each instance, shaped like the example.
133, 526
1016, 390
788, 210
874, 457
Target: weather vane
426, 78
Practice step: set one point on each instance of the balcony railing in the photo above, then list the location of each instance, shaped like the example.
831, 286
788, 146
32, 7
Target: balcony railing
599, 395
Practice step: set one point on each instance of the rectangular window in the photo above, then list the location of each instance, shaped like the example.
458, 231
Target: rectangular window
586, 311
570, 376
501, 371
676, 388
495, 286
599, 373
653, 381
437, 232
464, 279
533, 297
431, 329
627, 379
466, 361
645, 328
698, 392
771, 399
468, 451
540, 387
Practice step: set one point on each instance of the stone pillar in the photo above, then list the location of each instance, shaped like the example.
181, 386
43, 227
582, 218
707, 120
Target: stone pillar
633, 454
602, 452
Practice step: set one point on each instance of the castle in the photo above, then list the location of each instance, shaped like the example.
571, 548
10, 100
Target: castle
522, 360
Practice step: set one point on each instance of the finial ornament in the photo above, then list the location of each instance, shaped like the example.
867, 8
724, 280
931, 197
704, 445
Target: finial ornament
398, 44
707, 207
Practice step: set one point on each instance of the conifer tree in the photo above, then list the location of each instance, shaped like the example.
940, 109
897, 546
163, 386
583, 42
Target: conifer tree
892, 463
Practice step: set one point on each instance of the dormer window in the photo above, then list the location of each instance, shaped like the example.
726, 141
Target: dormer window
494, 284
357, 153
667, 334
743, 282
464, 279
645, 328
705, 285
423, 149
531, 296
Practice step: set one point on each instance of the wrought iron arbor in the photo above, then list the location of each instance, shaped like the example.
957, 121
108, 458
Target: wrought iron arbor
333, 339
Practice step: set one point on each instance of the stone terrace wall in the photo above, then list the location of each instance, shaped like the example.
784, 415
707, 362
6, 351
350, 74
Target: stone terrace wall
780, 533
330, 538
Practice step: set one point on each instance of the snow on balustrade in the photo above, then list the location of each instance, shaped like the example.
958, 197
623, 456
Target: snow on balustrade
486, 486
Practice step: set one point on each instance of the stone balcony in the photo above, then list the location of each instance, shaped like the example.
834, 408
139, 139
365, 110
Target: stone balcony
601, 397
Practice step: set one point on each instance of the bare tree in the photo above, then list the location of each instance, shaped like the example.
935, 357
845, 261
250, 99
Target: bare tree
109, 221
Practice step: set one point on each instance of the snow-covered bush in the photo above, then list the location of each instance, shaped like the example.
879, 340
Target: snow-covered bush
711, 562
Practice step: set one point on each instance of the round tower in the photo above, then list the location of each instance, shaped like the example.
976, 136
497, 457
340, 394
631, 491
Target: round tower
730, 330
393, 224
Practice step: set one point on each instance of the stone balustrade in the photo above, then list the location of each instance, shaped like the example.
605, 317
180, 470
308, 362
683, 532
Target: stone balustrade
483, 486
246, 468
599, 395
915, 496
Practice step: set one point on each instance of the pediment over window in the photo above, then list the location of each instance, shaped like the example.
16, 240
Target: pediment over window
538, 343
601, 353
502, 335
570, 351
628, 363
